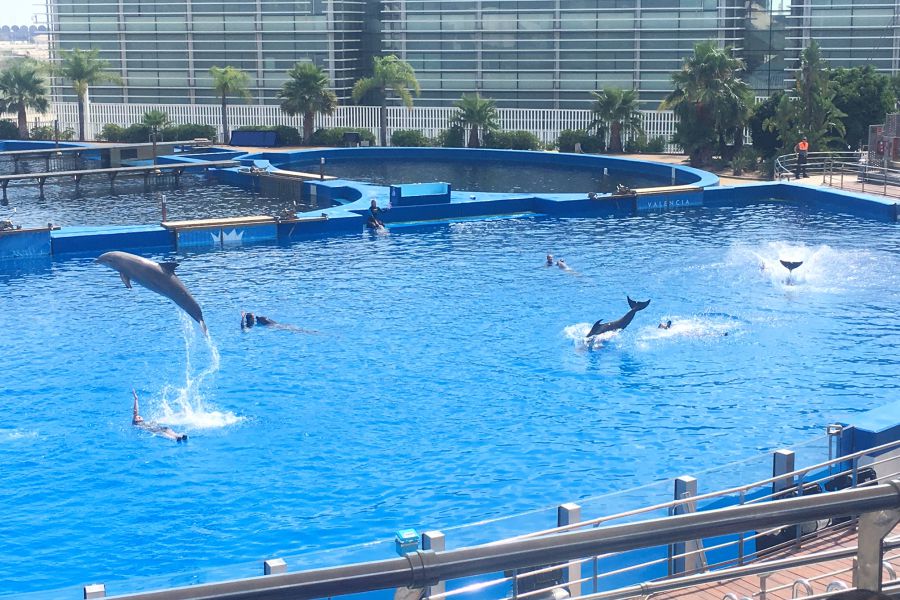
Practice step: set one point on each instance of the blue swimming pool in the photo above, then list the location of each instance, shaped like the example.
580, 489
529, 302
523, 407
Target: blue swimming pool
446, 380
482, 175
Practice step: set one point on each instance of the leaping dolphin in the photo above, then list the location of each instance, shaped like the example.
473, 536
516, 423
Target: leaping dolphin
601, 327
156, 277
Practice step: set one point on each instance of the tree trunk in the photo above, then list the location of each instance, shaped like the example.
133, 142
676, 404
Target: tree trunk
23, 122
308, 118
225, 132
615, 137
382, 117
80, 118
473, 137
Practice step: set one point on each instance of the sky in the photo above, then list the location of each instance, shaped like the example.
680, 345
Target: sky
19, 12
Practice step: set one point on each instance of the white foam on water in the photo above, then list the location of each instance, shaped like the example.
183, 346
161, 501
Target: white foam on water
578, 334
824, 269
16, 434
692, 327
186, 405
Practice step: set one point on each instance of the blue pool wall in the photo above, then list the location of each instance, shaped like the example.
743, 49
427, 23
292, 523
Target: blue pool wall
350, 217
348, 201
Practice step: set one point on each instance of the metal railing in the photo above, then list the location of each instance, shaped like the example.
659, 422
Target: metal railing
878, 507
848, 470
843, 170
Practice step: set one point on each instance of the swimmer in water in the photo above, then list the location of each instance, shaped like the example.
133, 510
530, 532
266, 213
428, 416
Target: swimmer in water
248, 320
549, 260
666, 325
155, 428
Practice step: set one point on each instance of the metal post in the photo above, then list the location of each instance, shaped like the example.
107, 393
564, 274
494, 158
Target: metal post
567, 514
322, 168
685, 487
164, 209
274, 566
94, 590
834, 432
56, 132
434, 540
873, 527
153, 139
782, 462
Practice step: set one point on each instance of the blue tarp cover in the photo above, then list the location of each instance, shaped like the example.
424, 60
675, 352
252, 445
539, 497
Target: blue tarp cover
262, 139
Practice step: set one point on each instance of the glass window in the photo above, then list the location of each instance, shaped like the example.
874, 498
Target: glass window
497, 22
578, 20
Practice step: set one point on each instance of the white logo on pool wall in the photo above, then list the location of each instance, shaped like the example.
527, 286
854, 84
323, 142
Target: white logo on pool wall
233, 237
665, 203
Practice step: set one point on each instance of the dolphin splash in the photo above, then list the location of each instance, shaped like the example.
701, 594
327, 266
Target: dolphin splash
156, 277
601, 327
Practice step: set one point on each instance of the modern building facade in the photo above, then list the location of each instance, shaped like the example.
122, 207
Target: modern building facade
163, 49
522, 53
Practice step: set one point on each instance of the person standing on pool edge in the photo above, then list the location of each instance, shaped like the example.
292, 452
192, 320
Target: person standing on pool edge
802, 150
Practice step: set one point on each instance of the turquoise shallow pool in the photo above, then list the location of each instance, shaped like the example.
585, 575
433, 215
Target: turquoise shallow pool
447, 381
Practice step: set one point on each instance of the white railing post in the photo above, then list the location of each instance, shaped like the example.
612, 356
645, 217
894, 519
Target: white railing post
434, 540
94, 590
782, 462
567, 514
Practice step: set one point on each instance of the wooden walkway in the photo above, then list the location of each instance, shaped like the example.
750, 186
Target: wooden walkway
781, 585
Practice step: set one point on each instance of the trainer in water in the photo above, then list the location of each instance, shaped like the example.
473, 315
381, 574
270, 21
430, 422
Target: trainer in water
156, 277
155, 428
249, 320
601, 327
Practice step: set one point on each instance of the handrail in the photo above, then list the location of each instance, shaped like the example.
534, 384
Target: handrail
716, 494
424, 568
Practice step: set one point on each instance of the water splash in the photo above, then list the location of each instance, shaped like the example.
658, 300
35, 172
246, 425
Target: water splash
187, 405
824, 269
691, 327
578, 334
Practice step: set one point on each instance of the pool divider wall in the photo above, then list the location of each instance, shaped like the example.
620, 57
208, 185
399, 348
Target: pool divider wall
25, 243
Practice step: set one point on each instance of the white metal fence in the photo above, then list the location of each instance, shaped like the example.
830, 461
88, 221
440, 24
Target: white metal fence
546, 124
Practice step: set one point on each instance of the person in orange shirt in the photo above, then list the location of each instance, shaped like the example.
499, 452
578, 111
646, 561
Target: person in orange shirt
802, 149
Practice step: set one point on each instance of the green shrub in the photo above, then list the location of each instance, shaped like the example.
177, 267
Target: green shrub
454, 137
189, 131
589, 143
9, 130
335, 135
636, 145
287, 135
410, 137
512, 140
745, 160
657, 145
46, 132
136, 133
111, 133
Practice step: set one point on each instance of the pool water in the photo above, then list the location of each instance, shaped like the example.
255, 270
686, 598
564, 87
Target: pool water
129, 202
481, 176
446, 380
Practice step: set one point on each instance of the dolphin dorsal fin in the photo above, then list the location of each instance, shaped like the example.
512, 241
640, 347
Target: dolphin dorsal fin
168, 267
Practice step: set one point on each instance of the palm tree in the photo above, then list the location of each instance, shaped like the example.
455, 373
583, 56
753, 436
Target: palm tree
155, 120
229, 81
85, 68
22, 86
306, 93
616, 111
390, 74
475, 114
709, 100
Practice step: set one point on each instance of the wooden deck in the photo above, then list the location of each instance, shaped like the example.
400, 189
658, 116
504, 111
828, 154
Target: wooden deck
780, 585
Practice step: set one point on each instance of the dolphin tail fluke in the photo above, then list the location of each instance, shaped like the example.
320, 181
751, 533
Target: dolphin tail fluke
636, 306
791, 265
